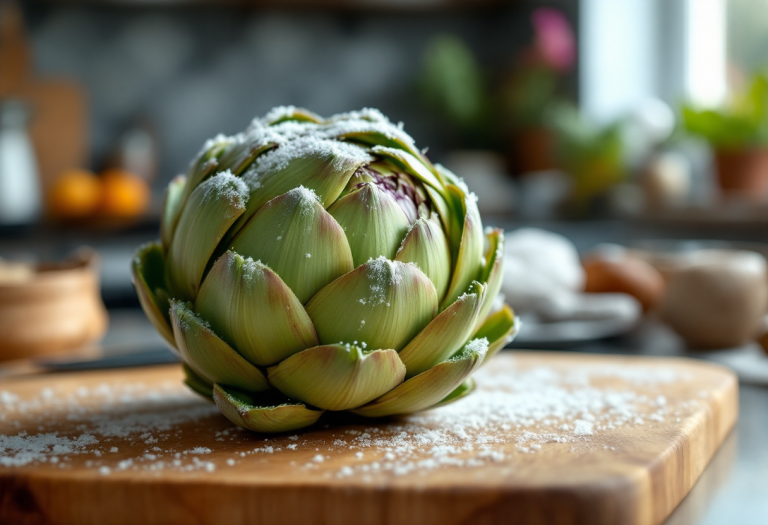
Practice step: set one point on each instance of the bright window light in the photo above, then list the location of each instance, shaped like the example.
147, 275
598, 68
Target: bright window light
705, 67
616, 56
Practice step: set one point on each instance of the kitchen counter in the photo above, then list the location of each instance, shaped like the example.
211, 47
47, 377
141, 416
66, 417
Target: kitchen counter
733, 487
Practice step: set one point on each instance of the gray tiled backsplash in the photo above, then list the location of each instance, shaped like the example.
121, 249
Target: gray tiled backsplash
193, 72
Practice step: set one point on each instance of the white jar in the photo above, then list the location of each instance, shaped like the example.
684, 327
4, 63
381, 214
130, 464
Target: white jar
19, 183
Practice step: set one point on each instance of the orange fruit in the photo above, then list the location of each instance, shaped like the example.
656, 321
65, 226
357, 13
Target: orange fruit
123, 194
75, 194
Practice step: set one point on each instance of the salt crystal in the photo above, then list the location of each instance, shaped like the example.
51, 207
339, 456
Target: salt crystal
225, 187
519, 408
125, 464
8, 398
582, 428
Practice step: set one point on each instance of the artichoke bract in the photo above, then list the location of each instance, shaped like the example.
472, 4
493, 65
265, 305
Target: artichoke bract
313, 264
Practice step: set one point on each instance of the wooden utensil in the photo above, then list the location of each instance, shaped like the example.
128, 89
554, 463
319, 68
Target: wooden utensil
59, 123
140, 449
56, 309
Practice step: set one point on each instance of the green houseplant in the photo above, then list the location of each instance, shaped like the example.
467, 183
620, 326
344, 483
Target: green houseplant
593, 155
738, 136
534, 87
508, 113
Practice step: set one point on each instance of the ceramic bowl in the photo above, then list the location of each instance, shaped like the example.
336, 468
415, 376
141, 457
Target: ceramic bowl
51, 308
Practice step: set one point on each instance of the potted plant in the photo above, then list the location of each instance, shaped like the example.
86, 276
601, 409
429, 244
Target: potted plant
592, 154
532, 88
455, 87
508, 112
738, 136
458, 90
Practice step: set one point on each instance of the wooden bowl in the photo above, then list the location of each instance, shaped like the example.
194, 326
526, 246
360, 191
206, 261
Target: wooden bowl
52, 308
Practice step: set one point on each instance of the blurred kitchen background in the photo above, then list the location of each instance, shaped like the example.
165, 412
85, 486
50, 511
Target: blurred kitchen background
623, 144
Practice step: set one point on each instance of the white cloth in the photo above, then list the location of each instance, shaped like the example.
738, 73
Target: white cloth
544, 281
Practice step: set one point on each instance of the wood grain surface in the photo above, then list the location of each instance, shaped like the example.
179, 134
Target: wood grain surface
547, 438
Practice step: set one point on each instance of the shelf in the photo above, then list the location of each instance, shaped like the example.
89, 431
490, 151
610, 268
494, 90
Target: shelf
333, 5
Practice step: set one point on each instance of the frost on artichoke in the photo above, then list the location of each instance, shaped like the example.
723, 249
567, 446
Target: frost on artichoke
314, 264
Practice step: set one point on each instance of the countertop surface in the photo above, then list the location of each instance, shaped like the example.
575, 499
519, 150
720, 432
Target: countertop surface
733, 488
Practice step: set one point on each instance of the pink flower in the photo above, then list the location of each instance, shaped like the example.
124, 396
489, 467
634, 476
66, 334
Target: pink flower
554, 43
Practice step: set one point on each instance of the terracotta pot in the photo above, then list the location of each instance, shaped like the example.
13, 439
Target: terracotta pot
55, 310
743, 172
533, 149
762, 334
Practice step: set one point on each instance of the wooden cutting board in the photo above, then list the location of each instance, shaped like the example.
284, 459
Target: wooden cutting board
547, 438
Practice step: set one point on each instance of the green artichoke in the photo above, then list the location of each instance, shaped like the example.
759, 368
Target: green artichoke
313, 264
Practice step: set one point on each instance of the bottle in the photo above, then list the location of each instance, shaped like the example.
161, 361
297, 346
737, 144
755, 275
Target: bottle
20, 201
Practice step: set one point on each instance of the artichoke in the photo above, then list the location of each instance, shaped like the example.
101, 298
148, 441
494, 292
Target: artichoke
313, 264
